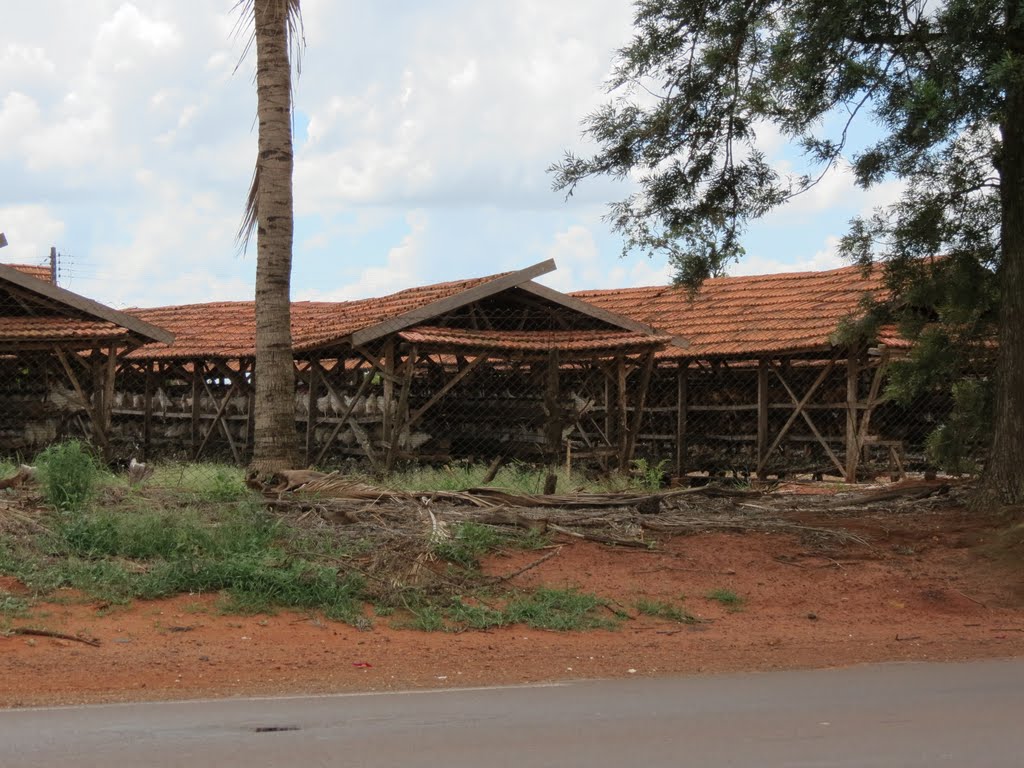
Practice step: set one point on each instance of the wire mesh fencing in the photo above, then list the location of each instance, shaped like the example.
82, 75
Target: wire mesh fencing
507, 395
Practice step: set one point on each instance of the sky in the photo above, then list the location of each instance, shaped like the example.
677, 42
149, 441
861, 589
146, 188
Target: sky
423, 135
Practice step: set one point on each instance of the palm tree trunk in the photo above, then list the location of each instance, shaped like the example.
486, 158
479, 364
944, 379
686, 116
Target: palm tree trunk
275, 444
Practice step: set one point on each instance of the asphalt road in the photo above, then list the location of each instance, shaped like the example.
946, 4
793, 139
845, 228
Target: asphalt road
965, 715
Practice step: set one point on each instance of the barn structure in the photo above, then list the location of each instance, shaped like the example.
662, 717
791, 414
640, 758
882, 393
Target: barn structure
58, 355
480, 368
747, 376
767, 385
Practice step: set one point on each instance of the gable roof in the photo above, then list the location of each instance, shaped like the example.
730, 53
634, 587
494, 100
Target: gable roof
39, 311
39, 272
751, 315
227, 330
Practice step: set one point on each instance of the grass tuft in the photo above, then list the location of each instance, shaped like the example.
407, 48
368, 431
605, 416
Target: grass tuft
664, 610
68, 473
726, 597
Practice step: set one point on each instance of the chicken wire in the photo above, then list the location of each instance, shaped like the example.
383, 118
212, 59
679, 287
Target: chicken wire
599, 411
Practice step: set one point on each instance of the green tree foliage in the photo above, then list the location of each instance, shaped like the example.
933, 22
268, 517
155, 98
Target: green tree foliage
940, 88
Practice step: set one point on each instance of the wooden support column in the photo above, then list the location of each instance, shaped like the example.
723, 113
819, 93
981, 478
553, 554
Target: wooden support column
853, 365
311, 416
622, 410
682, 381
798, 410
147, 410
400, 417
386, 424
552, 410
638, 407
197, 374
762, 417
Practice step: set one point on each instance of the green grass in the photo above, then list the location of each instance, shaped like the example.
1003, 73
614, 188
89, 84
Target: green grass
239, 551
195, 528
68, 475
664, 610
212, 483
516, 477
726, 597
13, 607
558, 609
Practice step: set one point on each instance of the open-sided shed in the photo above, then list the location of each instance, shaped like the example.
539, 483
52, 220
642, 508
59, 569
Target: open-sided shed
59, 351
491, 366
767, 384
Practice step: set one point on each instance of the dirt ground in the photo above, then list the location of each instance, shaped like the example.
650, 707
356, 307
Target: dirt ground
931, 585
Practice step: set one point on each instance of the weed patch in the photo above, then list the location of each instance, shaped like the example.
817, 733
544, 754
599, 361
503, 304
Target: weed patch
558, 609
664, 610
68, 474
727, 598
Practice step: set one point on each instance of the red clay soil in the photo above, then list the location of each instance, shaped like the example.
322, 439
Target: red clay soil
932, 586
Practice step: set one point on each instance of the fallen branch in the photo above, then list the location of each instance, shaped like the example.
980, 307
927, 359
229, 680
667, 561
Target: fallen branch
524, 569
50, 633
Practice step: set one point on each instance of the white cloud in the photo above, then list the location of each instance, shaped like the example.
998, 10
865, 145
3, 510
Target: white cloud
582, 265
825, 258
402, 268
30, 231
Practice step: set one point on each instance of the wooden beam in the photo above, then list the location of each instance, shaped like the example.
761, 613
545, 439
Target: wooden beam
869, 407
389, 392
311, 418
581, 306
147, 407
853, 365
622, 415
552, 411
344, 417
87, 404
795, 414
447, 304
218, 418
638, 408
198, 372
454, 380
810, 423
402, 410
682, 380
762, 416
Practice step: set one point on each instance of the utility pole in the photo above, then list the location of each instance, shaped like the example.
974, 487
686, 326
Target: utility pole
53, 264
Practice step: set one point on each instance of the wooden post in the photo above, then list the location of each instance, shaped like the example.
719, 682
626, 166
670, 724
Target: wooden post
852, 392
552, 410
638, 406
622, 410
147, 410
401, 412
196, 365
762, 417
682, 381
311, 418
386, 423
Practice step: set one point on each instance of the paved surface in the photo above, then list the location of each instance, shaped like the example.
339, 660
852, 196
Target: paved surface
902, 715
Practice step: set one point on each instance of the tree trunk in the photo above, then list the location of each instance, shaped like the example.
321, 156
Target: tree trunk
275, 442
1003, 479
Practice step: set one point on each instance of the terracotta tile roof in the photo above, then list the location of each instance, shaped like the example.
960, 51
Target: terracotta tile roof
227, 330
533, 341
32, 270
740, 316
33, 328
